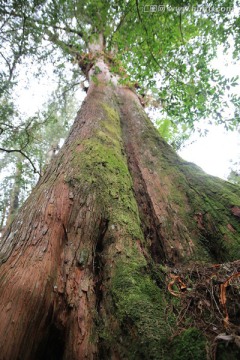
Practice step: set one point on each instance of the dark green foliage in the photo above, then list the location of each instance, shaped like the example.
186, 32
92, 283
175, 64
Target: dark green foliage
189, 345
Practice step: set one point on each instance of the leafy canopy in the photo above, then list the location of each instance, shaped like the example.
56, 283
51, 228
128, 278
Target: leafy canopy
166, 48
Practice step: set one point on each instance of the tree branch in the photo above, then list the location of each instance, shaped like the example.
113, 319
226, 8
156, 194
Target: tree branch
180, 26
32, 22
6, 61
65, 47
24, 155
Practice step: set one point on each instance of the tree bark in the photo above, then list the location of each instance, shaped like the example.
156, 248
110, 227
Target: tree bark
83, 263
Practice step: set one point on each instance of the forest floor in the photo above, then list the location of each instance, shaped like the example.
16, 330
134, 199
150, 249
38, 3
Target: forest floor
210, 301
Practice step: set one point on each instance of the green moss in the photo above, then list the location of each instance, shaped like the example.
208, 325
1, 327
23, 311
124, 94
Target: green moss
146, 327
102, 166
190, 345
140, 310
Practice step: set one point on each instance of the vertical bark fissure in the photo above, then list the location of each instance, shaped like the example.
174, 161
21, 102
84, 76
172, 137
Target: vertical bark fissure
149, 221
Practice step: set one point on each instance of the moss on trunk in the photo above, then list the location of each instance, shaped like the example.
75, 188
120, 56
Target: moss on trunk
116, 216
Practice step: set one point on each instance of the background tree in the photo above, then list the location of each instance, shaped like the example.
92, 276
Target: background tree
119, 228
234, 175
28, 147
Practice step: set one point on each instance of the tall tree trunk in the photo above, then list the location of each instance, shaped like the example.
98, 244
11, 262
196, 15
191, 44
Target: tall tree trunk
84, 262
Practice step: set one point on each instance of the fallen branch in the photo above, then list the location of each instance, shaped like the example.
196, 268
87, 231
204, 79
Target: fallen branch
223, 296
180, 284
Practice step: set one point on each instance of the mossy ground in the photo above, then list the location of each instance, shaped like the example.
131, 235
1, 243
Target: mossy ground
189, 345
